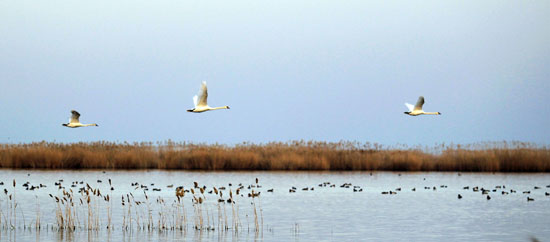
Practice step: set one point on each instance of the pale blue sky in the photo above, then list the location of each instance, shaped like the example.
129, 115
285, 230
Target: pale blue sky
313, 70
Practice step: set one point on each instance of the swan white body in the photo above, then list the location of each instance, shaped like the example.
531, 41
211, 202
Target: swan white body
417, 109
74, 121
200, 101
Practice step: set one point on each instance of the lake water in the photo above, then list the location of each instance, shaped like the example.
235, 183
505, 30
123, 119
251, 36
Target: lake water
323, 214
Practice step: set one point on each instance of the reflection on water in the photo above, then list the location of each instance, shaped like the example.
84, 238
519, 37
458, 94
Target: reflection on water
299, 206
136, 235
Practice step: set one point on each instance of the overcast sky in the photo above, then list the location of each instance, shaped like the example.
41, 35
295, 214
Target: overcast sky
312, 70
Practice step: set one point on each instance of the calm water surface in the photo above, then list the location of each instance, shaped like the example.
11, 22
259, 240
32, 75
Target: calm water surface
324, 214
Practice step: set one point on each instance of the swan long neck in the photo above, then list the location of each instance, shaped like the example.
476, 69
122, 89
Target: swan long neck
432, 113
216, 108
86, 125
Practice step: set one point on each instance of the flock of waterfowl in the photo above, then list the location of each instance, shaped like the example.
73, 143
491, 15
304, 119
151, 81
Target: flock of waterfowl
499, 189
103, 203
201, 105
487, 192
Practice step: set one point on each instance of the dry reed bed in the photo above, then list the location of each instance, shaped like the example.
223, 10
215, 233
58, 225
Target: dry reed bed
294, 155
88, 208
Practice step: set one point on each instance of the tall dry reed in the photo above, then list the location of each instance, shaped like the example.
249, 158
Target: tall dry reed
294, 155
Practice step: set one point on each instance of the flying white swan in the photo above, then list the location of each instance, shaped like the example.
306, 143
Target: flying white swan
417, 109
200, 101
74, 123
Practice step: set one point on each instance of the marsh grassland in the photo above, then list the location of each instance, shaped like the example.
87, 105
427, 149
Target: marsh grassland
293, 155
314, 190
168, 205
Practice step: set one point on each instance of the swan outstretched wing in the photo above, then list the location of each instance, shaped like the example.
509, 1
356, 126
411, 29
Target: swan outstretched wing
195, 100
74, 117
419, 103
409, 106
203, 95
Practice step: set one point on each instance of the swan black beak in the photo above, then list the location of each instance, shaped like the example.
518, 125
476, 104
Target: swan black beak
190, 110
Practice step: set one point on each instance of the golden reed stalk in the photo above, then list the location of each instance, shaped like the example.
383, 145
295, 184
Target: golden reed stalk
293, 155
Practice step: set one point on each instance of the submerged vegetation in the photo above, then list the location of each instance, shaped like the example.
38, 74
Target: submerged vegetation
294, 155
